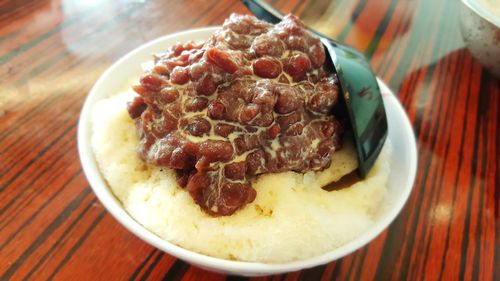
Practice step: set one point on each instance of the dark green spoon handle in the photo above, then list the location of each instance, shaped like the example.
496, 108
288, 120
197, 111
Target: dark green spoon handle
363, 101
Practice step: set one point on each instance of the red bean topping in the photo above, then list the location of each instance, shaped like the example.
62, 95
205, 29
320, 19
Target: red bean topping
195, 187
234, 91
224, 200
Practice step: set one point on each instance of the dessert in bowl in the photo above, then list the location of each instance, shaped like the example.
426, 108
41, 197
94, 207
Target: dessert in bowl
270, 216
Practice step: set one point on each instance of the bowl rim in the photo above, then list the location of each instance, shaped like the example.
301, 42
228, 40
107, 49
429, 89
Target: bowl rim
482, 12
113, 205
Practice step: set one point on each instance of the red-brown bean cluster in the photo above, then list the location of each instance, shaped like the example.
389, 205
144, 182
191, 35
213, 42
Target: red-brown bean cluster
253, 99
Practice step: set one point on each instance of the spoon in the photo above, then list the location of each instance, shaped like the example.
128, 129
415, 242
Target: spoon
359, 88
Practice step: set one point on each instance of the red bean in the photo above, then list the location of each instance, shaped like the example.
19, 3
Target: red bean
253, 161
196, 104
294, 130
181, 160
249, 112
317, 54
265, 119
328, 128
273, 131
206, 86
297, 66
180, 75
288, 120
266, 68
236, 42
182, 177
324, 98
297, 43
243, 24
152, 81
198, 126
215, 150
264, 97
174, 62
235, 171
292, 25
160, 68
168, 95
223, 130
288, 99
216, 110
221, 59
325, 147
203, 164
136, 107
198, 70
266, 45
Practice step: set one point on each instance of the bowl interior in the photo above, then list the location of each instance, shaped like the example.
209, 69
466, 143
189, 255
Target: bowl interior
128, 68
483, 8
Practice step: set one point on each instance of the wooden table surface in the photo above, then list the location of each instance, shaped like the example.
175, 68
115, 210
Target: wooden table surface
53, 227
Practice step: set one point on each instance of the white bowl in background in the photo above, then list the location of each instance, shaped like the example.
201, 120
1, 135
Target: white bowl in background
128, 68
480, 26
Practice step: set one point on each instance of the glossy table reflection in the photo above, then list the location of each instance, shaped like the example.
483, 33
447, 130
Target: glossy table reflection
53, 227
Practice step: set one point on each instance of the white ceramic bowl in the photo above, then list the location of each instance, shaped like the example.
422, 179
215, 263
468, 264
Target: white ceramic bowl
481, 32
403, 167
